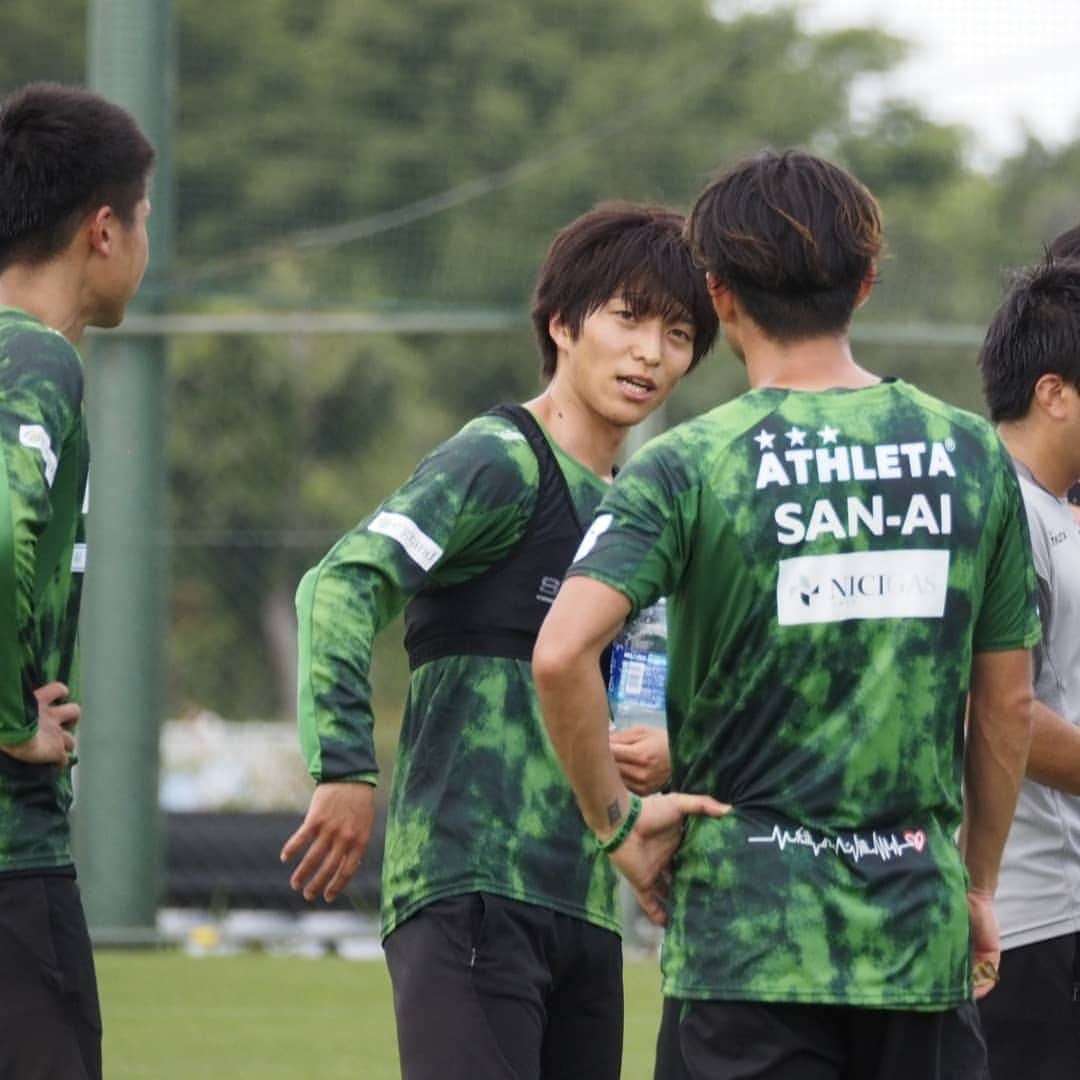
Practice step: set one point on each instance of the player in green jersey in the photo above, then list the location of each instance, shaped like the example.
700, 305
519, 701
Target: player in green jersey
499, 916
73, 247
845, 559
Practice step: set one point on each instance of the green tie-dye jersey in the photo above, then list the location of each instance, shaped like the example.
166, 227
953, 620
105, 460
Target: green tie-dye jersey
833, 560
43, 465
478, 800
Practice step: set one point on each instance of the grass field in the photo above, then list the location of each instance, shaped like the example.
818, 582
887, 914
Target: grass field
254, 1016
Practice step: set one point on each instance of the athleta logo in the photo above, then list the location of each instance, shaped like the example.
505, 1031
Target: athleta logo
801, 464
851, 846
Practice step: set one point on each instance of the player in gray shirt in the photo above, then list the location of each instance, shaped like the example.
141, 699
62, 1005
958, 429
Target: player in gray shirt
1030, 364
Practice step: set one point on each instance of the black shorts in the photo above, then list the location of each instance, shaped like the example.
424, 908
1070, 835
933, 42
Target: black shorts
735, 1040
50, 1021
1032, 1018
486, 987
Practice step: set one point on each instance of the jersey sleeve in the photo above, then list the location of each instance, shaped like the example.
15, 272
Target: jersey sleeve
1008, 616
466, 505
636, 542
40, 402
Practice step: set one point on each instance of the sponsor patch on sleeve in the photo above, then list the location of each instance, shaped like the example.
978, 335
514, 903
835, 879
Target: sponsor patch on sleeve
37, 438
417, 544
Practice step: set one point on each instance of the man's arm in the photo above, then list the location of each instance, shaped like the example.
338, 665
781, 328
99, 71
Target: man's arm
585, 617
54, 740
998, 738
1054, 759
335, 833
17, 722
340, 608
40, 399
462, 509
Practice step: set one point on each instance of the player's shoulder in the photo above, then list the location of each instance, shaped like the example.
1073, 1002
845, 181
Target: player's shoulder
38, 359
972, 443
694, 445
963, 421
1044, 512
490, 435
491, 447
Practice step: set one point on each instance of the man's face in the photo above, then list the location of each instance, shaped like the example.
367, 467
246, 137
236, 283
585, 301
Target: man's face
122, 273
621, 367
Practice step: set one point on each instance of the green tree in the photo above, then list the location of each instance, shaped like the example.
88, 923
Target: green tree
34, 47
1037, 197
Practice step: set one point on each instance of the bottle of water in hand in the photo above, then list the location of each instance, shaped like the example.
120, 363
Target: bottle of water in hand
638, 682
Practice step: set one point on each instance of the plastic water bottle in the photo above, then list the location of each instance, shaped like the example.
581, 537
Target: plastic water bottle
637, 686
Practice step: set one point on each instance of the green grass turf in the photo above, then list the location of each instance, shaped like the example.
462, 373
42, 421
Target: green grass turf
254, 1016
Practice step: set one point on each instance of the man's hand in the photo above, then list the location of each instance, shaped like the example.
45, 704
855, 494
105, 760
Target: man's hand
985, 943
641, 753
645, 855
54, 739
336, 833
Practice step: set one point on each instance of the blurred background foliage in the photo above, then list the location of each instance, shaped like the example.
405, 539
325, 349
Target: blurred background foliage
397, 156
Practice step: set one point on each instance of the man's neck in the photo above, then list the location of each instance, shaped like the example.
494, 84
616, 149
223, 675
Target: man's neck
49, 293
580, 433
1035, 447
820, 363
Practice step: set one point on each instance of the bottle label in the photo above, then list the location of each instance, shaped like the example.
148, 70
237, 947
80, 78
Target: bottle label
638, 682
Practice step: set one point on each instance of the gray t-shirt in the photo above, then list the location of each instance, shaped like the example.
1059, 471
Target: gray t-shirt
1039, 890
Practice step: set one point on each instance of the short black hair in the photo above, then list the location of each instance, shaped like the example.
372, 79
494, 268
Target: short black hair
631, 250
793, 236
64, 151
1035, 332
1067, 245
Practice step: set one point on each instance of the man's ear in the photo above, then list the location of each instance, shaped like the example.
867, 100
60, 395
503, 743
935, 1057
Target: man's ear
723, 299
101, 228
1049, 394
560, 332
867, 286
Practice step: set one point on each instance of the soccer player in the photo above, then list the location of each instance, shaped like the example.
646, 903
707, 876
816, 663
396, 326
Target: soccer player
498, 913
73, 247
1030, 365
1067, 246
844, 557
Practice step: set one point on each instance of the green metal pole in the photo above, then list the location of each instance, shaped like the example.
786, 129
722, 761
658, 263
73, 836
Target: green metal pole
116, 820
